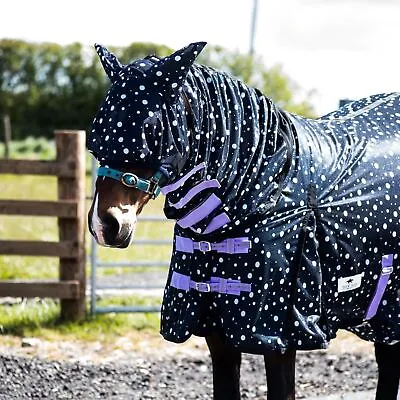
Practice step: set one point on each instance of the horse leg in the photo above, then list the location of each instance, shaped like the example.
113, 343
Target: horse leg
388, 360
226, 368
280, 369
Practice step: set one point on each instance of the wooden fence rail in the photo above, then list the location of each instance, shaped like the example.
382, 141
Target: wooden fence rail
69, 167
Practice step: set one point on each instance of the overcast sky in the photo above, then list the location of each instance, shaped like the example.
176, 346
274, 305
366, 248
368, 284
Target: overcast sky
339, 48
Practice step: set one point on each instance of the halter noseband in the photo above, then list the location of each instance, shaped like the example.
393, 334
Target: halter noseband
150, 186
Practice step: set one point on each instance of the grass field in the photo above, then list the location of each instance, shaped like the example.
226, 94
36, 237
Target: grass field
34, 316
40, 318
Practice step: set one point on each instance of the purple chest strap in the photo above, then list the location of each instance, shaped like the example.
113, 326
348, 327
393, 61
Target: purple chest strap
215, 284
239, 245
387, 269
213, 183
201, 212
180, 182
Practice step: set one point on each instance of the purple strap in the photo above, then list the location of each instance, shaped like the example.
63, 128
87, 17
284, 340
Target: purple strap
239, 245
199, 213
217, 222
387, 269
215, 284
213, 183
176, 185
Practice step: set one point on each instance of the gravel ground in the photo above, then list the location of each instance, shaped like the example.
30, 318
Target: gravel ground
151, 368
163, 375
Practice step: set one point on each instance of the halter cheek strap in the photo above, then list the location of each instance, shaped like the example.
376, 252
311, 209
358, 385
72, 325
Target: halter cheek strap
150, 186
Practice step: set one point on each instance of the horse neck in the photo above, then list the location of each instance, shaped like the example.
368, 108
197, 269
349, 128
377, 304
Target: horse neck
222, 105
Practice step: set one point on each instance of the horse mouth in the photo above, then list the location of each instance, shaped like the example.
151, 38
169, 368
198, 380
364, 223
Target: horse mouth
110, 238
120, 241
117, 243
123, 243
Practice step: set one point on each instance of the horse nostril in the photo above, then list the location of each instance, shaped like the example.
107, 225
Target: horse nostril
110, 228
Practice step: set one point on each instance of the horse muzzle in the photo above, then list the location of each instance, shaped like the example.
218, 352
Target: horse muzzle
113, 229
117, 233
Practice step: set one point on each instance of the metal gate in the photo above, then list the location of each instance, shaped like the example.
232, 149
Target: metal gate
97, 288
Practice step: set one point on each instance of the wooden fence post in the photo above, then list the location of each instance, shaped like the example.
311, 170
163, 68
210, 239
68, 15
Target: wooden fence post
7, 135
71, 152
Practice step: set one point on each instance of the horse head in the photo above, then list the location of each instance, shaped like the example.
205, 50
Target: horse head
139, 136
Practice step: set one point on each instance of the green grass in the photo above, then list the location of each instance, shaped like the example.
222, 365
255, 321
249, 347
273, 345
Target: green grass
40, 318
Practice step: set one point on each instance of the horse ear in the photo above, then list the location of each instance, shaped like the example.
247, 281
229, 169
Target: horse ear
172, 70
110, 63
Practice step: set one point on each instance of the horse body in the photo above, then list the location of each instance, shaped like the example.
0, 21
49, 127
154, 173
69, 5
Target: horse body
286, 227
342, 160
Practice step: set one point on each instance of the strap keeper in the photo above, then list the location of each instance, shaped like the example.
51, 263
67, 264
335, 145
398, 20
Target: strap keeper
234, 287
230, 246
222, 285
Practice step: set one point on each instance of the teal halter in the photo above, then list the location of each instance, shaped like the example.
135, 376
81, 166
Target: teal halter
150, 186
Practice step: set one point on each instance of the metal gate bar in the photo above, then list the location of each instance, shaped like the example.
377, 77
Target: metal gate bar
127, 309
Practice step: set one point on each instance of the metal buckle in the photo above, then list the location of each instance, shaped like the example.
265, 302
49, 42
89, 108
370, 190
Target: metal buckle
133, 179
204, 246
202, 287
154, 189
387, 270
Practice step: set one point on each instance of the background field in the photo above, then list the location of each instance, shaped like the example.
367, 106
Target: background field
30, 316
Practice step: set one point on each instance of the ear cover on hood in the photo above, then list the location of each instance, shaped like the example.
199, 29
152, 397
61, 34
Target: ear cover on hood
110, 63
173, 70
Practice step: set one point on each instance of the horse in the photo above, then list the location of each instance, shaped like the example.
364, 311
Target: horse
286, 227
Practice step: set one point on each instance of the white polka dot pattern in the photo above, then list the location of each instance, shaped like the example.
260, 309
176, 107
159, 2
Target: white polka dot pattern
318, 199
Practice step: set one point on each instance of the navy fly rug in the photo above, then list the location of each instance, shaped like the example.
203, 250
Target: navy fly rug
287, 228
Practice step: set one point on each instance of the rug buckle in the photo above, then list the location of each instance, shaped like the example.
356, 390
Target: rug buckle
202, 287
204, 246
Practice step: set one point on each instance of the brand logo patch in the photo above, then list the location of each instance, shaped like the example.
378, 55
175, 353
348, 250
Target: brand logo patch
350, 282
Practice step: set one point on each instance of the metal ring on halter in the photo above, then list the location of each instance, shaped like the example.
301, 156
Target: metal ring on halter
133, 179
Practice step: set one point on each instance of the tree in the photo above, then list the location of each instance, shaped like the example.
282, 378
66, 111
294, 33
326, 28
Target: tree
11, 81
271, 81
46, 86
